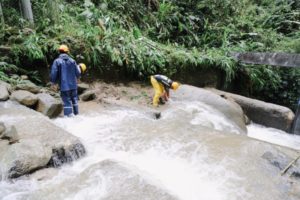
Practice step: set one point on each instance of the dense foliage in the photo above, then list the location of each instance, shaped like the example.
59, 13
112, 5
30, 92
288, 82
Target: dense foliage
144, 37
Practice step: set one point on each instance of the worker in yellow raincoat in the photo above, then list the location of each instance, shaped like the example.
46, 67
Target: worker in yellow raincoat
161, 85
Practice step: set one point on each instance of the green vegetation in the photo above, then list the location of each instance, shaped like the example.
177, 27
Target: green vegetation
142, 37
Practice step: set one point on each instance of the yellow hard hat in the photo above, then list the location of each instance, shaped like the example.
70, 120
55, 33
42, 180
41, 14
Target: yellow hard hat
175, 85
82, 67
63, 48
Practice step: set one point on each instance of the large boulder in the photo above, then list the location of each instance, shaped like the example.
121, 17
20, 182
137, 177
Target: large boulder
28, 86
41, 143
24, 97
7, 85
24, 157
230, 109
261, 112
49, 105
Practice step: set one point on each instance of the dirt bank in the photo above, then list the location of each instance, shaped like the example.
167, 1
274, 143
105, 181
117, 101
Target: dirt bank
133, 94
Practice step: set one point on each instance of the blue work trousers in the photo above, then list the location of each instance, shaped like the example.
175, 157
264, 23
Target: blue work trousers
70, 99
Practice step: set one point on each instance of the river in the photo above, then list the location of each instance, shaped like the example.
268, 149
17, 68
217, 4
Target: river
191, 153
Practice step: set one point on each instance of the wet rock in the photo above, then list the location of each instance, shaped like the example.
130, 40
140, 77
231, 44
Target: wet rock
157, 115
261, 112
287, 165
62, 155
10, 134
44, 174
28, 86
39, 139
24, 157
120, 182
231, 110
295, 170
295, 192
7, 85
280, 161
82, 87
24, 97
4, 145
49, 105
2, 128
88, 96
4, 95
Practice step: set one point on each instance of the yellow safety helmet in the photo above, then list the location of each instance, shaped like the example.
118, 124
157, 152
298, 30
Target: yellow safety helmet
175, 85
63, 48
82, 67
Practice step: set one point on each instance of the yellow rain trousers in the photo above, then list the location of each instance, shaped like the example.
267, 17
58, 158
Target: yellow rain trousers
159, 90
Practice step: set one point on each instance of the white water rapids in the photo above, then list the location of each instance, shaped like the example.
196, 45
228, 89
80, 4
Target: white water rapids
132, 156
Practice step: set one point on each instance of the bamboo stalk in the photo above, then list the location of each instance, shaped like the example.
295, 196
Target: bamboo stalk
289, 165
1, 15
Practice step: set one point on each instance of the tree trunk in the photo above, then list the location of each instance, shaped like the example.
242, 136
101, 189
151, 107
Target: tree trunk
53, 12
27, 10
1, 15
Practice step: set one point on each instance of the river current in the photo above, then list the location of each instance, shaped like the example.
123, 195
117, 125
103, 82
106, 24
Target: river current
192, 152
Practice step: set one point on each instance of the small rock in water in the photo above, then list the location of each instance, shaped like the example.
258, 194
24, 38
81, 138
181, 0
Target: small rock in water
157, 115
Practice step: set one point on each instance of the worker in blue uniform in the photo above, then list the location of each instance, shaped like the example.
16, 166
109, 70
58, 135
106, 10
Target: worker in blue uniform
65, 73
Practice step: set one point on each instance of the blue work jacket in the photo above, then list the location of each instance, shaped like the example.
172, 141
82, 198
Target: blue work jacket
65, 72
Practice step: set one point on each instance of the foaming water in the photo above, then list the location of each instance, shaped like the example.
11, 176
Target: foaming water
158, 161
171, 158
274, 136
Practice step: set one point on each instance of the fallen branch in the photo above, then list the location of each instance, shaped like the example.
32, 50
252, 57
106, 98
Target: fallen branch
289, 165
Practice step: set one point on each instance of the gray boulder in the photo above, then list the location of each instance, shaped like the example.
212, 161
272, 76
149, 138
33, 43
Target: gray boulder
24, 157
24, 97
49, 105
229, 109
260, 112
4, 95
41, 143
28, 86
7, 85
88, 96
